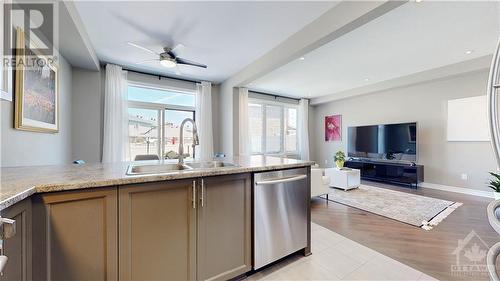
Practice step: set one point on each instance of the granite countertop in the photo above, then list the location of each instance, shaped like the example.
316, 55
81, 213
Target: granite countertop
18, 183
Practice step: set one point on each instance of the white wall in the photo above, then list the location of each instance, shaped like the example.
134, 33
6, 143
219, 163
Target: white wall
21, 148
425, 103
87, 115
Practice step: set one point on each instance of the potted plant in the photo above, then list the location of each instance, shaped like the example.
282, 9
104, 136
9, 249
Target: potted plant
495, 185
339, 159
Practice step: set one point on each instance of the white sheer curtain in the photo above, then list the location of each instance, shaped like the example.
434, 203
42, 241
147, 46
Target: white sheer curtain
205, 150
115, 139
304, 129
244, 140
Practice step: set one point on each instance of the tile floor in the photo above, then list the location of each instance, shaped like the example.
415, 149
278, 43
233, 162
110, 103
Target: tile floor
337, 258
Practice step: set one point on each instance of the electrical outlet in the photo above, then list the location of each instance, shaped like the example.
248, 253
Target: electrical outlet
464, 176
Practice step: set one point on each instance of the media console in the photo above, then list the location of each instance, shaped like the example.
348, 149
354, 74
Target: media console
386, 171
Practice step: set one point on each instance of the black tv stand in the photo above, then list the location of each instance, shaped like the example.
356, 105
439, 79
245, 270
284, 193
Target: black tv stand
409, 174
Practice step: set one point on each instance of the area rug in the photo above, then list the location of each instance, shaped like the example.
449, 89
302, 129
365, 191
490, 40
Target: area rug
416, 210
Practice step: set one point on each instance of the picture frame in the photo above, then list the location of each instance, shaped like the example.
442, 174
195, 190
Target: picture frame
36, 90
6, 69
333, 128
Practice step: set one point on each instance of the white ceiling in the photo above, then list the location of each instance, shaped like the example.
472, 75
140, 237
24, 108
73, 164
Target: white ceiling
226, 36
410, 39
75, 45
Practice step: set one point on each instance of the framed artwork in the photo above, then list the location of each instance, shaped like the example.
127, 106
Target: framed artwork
333, 128
37, 90
467, 119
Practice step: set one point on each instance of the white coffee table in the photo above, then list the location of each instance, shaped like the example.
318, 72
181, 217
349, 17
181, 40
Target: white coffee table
343, 178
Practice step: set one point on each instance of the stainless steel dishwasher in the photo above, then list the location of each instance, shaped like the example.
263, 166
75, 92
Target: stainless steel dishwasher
280, 214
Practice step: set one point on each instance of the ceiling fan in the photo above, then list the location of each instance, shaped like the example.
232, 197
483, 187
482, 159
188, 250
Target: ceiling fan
167, 58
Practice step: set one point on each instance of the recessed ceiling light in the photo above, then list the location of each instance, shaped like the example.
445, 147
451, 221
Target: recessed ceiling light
418, 1
367, 79
468, 52
302, 58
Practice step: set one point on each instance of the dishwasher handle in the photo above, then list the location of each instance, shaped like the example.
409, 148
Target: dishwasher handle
282, 180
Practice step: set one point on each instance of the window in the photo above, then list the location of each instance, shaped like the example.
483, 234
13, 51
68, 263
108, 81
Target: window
291, 130
155, 116
273, 128
173, 120
255, 124
143, 131
160, 96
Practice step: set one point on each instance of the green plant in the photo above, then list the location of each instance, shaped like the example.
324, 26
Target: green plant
495, 182
339, 156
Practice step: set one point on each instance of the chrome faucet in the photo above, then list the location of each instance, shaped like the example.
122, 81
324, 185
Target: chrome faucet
196, 140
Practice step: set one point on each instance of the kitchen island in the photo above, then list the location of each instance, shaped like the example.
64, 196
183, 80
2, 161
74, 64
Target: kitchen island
95, 222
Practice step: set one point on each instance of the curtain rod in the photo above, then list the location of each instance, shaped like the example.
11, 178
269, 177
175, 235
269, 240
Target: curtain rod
197, 81
273, 95
160, 76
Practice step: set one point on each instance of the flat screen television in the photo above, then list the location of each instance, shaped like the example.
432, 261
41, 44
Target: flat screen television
397, 142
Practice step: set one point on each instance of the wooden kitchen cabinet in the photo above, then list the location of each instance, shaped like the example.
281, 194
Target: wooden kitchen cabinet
75, 235
157, 231
189, 229
224, 227
18, 248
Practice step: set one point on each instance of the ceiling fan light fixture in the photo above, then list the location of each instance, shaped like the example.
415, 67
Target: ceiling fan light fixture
168, 63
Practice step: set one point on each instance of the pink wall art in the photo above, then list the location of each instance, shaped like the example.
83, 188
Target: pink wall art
333, 128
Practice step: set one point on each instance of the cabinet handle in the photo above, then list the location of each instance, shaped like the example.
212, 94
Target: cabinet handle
7, 228
194, 195
281, 180
202, 197
3, 262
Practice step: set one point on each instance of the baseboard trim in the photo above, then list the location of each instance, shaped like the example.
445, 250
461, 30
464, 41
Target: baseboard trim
457, 189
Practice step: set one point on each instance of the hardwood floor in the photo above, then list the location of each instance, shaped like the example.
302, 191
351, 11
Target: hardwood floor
428, 251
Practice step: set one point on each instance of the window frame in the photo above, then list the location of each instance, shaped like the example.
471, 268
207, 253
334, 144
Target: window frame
283, 118
161, 108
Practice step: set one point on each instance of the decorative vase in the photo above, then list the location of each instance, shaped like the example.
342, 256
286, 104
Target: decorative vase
340, 164
496, 194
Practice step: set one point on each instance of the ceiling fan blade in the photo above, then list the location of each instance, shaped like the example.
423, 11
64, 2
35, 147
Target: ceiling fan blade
189, 62
143, 48
178, 47
172, 52
146, 61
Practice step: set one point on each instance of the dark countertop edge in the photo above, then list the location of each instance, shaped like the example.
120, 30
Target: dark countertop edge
4, 204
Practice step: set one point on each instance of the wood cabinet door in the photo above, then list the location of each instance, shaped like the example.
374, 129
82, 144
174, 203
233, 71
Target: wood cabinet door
224, 227
157, 231
75, 235
18, 248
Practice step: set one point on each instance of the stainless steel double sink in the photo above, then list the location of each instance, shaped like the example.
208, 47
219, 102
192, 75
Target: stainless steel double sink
144, 169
